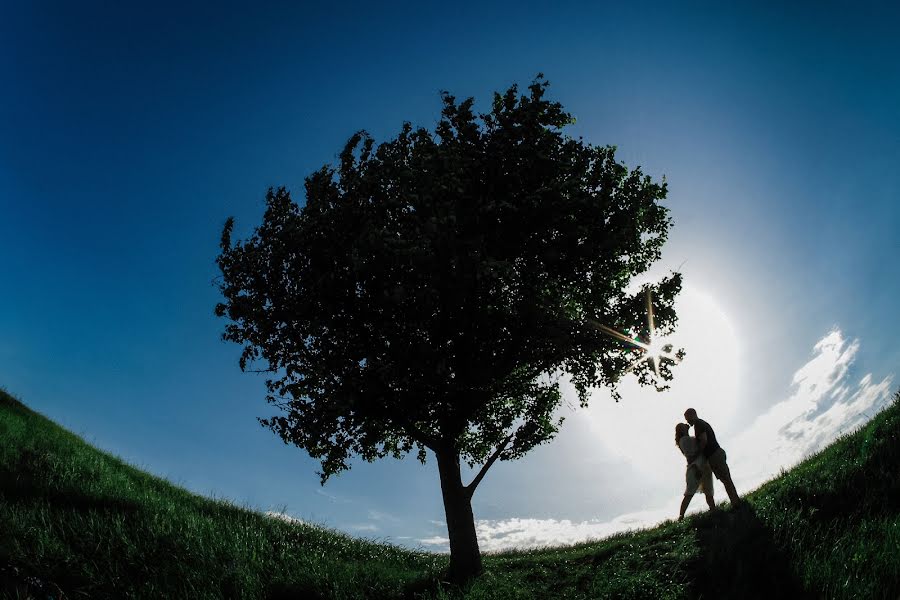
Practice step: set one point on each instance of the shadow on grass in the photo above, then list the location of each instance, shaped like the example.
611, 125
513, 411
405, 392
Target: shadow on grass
429, 587
425, 587
280, 590
16, 583
739, 558
25, 482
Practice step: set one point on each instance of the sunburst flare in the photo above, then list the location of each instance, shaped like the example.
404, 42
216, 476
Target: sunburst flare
653, 350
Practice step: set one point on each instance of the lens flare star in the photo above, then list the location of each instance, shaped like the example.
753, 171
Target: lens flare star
654, 350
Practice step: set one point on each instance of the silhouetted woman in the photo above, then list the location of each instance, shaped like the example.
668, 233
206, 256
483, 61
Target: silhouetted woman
698, 475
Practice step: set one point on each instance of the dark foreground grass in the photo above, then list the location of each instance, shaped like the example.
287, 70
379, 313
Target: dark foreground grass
79, 523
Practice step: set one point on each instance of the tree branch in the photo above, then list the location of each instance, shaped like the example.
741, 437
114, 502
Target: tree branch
420, 437
470, 489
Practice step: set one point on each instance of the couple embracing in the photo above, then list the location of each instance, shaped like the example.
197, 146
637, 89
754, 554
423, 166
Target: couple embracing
705, 457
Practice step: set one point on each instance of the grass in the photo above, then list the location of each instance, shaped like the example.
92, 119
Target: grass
79, 523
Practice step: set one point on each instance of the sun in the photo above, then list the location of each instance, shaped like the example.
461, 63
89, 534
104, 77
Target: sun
654, 349
658, 347
708, 379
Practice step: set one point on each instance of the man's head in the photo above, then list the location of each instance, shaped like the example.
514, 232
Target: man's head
690, 415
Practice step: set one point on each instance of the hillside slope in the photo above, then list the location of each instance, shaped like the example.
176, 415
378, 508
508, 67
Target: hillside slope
77, 522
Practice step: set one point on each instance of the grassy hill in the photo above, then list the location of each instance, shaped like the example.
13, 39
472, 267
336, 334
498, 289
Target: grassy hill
78, 523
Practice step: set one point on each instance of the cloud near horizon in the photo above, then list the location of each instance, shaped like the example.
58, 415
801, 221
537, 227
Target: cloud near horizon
823, 404
282, 516
502, 534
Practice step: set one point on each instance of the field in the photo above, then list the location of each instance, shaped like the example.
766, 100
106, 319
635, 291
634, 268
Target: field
80, 523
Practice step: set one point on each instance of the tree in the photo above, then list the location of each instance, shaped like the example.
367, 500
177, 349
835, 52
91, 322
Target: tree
434, 288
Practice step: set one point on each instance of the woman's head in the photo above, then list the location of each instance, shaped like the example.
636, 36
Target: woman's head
681, 430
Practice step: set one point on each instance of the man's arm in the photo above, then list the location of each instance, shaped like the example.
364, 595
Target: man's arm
700, 434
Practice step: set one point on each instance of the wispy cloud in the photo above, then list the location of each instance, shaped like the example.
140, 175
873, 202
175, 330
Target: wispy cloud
332, 497
437, 540
822, 404
530, 533
825, 403
283, 517
376, 519
377, 515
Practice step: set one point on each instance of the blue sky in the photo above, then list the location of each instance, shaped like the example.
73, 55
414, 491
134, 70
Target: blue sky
129, 133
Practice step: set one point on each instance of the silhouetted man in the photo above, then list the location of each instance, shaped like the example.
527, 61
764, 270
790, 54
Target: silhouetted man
715, 455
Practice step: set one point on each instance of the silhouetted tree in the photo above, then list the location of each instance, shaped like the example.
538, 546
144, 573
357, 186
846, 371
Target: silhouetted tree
434, 288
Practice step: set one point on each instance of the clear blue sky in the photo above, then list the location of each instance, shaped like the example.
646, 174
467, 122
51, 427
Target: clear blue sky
129, 132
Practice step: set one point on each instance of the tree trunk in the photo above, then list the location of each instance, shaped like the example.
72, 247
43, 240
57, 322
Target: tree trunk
465, 557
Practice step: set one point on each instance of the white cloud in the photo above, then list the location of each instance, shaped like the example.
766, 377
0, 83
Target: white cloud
435, 540
502, 534
370, 527
283, 517
823, 404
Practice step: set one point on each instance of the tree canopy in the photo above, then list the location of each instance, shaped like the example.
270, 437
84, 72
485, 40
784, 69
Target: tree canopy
434, 288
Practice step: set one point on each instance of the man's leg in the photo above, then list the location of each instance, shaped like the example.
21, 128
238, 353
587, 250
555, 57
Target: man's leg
732, 491
719, 466
707, 483
684, 506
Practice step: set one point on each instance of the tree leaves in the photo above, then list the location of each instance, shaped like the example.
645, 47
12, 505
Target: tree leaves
433, 287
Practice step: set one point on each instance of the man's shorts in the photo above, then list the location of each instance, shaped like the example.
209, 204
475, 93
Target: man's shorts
697, 479
718, 465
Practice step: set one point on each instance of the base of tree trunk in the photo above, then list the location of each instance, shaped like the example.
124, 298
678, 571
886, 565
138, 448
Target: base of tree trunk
465, 556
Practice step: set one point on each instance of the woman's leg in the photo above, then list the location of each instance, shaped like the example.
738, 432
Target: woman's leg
684, 505
692, 482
